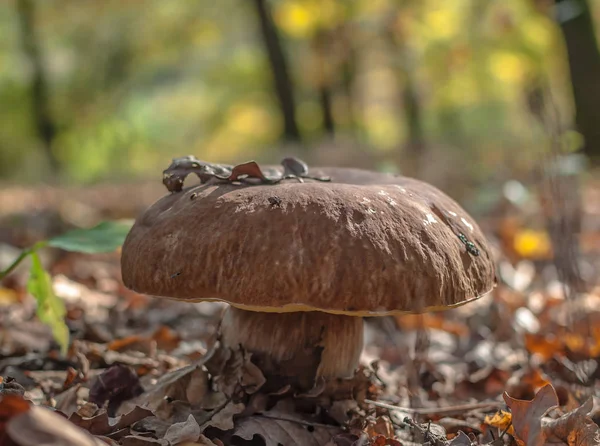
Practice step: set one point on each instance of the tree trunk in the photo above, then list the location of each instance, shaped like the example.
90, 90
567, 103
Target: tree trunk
325, 99
279, 68
414, 122
577, 27
42, 115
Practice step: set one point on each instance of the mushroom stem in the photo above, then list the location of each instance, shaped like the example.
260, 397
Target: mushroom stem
297, 344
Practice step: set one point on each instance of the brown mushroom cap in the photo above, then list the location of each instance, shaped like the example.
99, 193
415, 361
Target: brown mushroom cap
380, 245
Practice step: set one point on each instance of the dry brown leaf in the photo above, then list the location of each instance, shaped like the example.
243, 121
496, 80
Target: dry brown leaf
575, 428
252, 378
66, 402
527, 415
102, 424
166, 339
276, 431
227, 367
189, 382
546, 346
380, 426
409, 322
524, 385
202, 441
11, 405
348, 439
381, 440
115, 385
342, 410
139, 440
223, 418
250, 169
461, 439
186, 431
136, 342
41, 426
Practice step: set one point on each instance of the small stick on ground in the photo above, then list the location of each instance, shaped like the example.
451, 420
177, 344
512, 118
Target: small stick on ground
440, 410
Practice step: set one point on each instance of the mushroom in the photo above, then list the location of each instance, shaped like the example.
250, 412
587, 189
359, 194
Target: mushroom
301, 263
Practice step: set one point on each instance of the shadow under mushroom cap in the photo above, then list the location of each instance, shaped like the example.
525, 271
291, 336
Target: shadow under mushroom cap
365, 249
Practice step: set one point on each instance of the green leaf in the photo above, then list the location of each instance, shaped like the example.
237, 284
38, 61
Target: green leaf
50, 309
105, 237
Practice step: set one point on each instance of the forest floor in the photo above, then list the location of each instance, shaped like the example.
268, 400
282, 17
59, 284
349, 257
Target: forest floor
519, 366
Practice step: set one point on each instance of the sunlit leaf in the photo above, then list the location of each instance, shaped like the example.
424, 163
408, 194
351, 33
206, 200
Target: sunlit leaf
530, 243
105, 237
296, 18
50, 309
501, 420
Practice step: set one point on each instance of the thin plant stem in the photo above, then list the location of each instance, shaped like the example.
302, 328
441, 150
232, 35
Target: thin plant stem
16, 263
22, 257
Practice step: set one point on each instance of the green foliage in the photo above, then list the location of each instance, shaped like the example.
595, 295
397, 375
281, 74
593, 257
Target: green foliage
127, 97
105, 237
50, 309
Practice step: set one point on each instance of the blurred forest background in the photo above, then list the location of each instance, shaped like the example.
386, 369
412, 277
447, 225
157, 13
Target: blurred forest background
467, 92
492, 101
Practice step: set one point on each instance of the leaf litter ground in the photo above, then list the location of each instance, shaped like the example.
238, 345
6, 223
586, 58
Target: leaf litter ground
517, 367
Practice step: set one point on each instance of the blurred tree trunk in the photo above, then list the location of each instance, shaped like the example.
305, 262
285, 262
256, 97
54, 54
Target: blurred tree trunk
348, 76
414, 122
279, 68
416, 145
324, 69
577, 27
42, 115
325, 99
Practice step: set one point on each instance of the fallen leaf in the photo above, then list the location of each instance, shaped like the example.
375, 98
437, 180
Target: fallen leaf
70, 377
527, 415
66, 402
166, 338
502, 420
116, 384
40, 426
182, 432
380, 426
342, 410
410, 322
139, 440
221, 418
461, 439
533, 244
202, 441
575, 427
275, 432
252, 378
251, 169
284, 425
11, 405
102, 424
136, 342
348, 439
524, 385
381, 440
8, 296
187, 382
